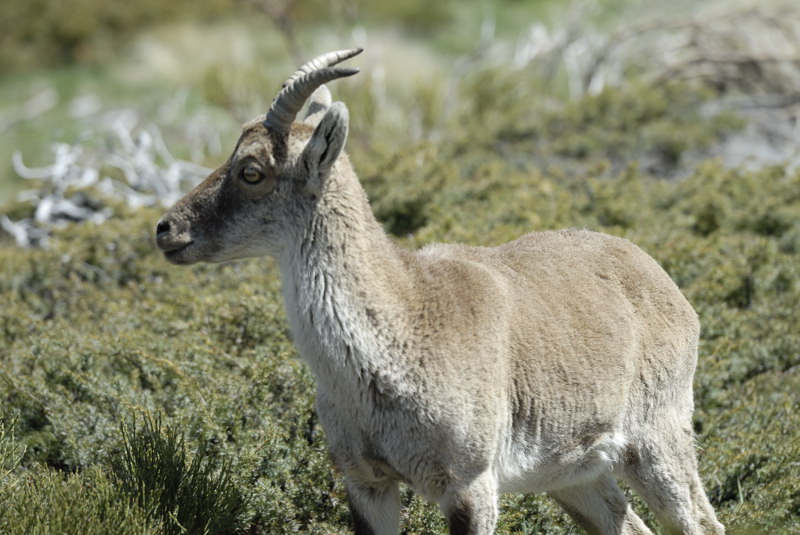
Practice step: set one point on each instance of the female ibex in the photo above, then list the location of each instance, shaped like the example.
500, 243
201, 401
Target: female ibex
549, 364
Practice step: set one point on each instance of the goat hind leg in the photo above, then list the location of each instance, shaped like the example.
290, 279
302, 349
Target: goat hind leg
375, 509
471, 506
663, 471
600, 508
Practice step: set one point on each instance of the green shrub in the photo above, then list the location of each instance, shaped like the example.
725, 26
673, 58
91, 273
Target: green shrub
39, 32
188, 493
100, 329
10, 456
44, 501
656, 125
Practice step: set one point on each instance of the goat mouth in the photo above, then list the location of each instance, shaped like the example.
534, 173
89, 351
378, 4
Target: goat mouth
174, 254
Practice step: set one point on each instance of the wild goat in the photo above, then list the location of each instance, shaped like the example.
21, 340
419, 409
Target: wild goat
553, 363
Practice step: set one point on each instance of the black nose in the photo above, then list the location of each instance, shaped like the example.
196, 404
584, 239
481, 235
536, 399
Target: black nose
162, 226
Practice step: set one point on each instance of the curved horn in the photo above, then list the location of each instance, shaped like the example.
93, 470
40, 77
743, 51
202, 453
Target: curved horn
299, 86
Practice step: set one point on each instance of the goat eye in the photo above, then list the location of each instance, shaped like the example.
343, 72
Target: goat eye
252, 175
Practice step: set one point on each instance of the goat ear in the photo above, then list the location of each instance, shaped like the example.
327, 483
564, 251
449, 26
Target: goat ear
326, 143
318, 104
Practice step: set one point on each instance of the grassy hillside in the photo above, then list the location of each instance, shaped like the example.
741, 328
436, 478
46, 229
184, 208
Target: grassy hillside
137, 397
110, 353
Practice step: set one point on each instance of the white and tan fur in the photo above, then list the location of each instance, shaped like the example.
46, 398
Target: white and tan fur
553, 363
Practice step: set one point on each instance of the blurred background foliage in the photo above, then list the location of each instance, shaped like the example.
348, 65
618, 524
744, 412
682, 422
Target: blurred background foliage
157, 399
42, 33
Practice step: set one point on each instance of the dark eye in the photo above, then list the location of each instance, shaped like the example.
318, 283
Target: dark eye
252, 175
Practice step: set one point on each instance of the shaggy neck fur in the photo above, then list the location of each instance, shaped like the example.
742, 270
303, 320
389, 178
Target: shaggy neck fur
342, 281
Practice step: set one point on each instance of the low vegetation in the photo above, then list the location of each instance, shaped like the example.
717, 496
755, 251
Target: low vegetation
141, 398
100, 334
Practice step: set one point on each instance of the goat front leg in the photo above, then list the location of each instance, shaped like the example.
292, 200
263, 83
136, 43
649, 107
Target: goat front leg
375, 507
471, 506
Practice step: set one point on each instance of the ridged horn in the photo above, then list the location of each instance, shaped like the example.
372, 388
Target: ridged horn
299, 86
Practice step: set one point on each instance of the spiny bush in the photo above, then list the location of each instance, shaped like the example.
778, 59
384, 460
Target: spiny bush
47, 501
657, 125
188, 493
10, 457
43, 501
